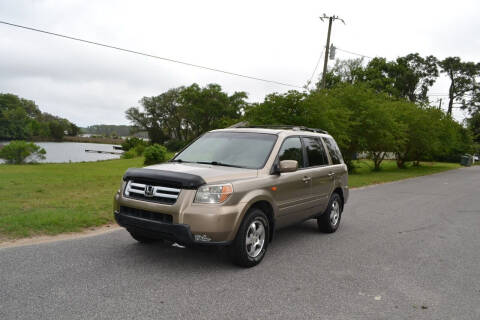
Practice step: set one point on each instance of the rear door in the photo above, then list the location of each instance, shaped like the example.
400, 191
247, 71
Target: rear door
337, 169
318, 169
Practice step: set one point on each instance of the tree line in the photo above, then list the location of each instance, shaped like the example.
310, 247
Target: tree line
21, 119
376, 107
108, 130
410, 77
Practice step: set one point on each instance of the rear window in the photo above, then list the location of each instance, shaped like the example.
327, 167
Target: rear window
315, 152
334, 151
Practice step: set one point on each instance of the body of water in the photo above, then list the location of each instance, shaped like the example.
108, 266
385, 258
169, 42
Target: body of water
58, 152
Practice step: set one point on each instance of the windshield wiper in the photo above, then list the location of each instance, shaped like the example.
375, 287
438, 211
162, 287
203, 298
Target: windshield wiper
180, 161
216, 163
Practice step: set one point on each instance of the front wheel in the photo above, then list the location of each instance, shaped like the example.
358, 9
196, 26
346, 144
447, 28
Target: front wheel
250, 244
330, 220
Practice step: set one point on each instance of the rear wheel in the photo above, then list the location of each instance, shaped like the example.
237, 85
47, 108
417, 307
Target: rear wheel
250, 244
330, 220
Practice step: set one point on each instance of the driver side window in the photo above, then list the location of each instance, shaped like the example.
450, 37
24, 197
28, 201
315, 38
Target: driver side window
292, 150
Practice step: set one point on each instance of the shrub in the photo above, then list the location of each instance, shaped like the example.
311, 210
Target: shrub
139, 149
131, 143
129, 154
16, 152
155, 154
136, 151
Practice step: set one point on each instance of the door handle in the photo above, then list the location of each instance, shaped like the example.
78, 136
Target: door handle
306, 179
331, 174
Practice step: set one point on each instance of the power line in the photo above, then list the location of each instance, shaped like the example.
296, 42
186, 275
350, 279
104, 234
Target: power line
355, 53
468, 94
151, 55
316, 67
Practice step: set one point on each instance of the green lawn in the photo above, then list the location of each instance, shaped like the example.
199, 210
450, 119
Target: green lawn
56, 198
364, 175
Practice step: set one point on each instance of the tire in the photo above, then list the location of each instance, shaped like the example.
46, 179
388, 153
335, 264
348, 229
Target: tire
254, 228
141, 239
329, 221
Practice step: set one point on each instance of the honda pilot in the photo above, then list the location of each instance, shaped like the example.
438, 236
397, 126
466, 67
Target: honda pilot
234, 187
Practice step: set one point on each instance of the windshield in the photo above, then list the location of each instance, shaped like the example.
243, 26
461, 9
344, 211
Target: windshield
235, 149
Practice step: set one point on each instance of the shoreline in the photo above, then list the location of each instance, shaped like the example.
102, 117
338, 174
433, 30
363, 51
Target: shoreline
76, 139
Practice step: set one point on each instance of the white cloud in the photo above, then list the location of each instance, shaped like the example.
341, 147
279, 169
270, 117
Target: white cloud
278, 40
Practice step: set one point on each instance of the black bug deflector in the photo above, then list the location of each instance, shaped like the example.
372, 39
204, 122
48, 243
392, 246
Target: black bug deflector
179, 179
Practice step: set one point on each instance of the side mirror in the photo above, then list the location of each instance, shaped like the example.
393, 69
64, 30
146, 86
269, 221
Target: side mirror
288, 166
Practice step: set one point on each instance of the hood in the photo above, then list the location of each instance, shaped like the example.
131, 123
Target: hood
209, 173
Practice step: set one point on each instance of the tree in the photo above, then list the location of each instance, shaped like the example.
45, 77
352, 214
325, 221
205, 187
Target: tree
72, 129
56, 130
464, 89
473, 123
381, 130
22, 119
348, 71
423, 126
414, 75
407, 77
17, 152
210, 108
280, 109
355, 115
183, 113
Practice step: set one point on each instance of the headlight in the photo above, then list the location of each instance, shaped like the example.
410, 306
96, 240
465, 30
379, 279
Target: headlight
217, 193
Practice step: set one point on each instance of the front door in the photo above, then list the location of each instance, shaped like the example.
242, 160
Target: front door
293, 193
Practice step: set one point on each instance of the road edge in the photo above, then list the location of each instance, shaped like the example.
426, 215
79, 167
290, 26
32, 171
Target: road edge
89, 232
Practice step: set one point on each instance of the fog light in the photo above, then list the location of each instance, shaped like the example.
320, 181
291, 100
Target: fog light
202, 237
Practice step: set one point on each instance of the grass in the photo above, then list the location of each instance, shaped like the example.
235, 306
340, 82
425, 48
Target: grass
56, 198
364, 175
48, 199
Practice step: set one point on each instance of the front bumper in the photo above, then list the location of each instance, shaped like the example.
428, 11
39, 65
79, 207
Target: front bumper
179, 233
346, 194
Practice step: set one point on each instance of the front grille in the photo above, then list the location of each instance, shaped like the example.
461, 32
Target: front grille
144, 190
139, 213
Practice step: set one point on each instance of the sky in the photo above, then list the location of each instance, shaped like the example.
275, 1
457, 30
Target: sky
276, 40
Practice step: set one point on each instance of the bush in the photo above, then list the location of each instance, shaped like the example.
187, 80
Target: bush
134, 152
132, 142
16, 152
139, 149
129, 154
155, 154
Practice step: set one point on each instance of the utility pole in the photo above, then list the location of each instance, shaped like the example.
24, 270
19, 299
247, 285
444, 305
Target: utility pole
327, 47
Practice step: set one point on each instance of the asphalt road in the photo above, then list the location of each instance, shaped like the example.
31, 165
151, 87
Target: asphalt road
405, 250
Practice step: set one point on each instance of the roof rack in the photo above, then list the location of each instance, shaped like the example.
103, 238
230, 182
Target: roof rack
294, 128
245, 124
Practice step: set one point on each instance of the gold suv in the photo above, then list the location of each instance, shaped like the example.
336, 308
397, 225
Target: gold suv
234, 187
